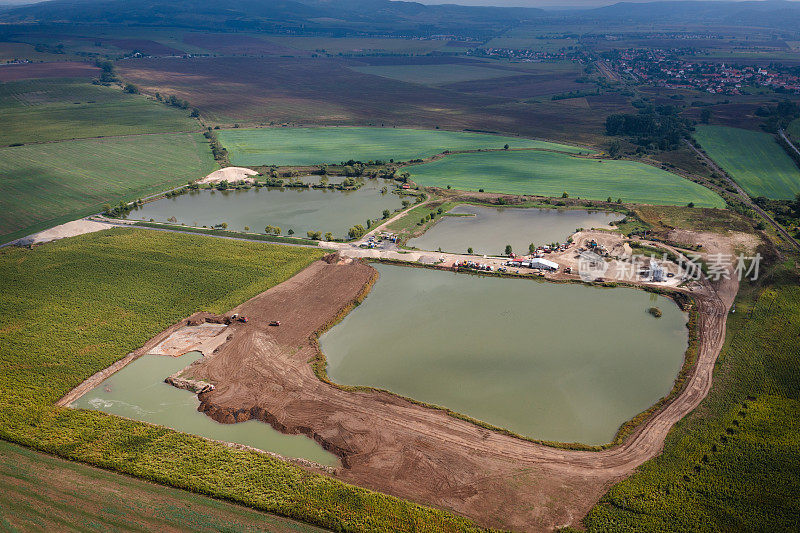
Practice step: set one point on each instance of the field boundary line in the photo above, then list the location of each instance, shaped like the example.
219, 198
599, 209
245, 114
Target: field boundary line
743, 195
55, 141
789, 142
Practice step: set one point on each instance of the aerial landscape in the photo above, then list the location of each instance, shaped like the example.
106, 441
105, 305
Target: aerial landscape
376, 265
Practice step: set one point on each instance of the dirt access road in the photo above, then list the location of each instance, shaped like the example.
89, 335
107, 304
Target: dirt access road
743, 194
395, 446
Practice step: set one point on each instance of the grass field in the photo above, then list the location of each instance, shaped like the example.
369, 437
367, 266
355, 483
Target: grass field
734, 463
12, 51
46, 184
551, 174
309, 146
794, 130
357, 45
39, 492
58, 108
436, 74
530, 80
754, 159
72, 307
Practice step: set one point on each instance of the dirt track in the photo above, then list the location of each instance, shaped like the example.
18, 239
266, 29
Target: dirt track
392, 445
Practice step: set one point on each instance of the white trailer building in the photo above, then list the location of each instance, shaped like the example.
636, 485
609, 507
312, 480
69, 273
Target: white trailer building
543, 264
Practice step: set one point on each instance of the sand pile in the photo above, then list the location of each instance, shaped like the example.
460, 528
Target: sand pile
230, 174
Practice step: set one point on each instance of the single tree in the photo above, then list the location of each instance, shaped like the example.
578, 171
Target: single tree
469, 250
509, 251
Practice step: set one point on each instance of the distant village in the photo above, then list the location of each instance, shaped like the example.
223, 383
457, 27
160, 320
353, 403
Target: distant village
669, 68
528, 55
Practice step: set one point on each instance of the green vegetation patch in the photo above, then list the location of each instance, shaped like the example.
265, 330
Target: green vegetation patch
754, 159
67, 108
311, 146
46, 184
72, 307
419, 219
41, 492
794, 130
436, 74
552, 174
734, 463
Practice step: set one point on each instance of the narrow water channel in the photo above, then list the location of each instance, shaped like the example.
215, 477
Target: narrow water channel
559, 362
487, 230
138, 392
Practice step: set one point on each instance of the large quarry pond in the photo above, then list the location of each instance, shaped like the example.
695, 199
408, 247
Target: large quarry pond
487, 230
138, 392
559, 362
298, 209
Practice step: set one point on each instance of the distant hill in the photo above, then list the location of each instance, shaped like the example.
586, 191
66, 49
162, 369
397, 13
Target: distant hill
364, 16
397, 17
778, 14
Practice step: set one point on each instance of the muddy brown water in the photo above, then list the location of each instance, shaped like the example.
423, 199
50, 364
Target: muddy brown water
558, 362
138, 392
487, 230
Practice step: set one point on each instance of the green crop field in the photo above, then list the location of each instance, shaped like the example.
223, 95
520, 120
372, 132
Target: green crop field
39, 492
310, 146
794, 130
63, 108
46, 184
754, 159
436, 74
734, 463
72, 307
551, 174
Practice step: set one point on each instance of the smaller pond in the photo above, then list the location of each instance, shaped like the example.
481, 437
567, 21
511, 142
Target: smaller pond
487, 230
138, 392
298, 209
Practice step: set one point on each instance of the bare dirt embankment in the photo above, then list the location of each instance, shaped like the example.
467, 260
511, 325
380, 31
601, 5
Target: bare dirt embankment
401, 448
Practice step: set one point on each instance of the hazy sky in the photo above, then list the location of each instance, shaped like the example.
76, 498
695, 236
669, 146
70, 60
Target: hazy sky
506, 3
530, 3
523, 3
